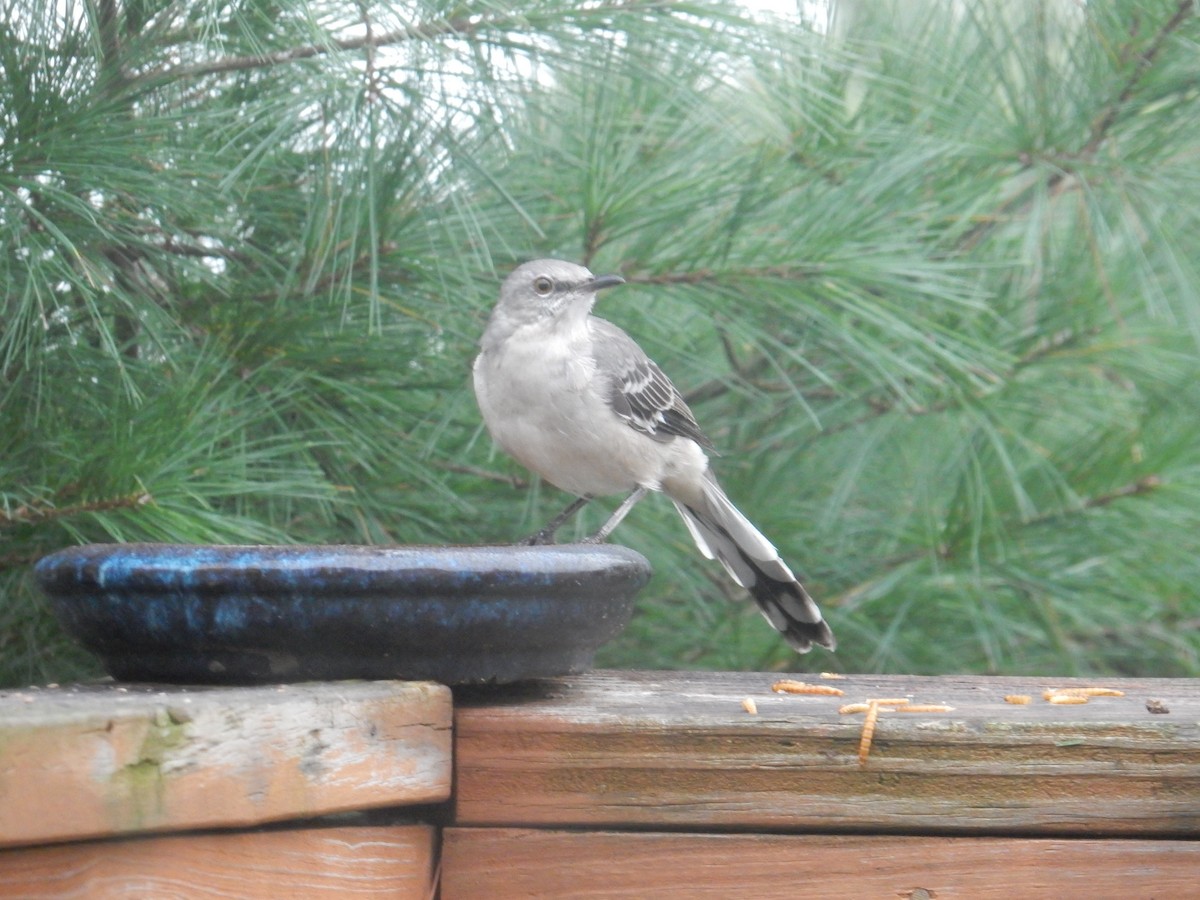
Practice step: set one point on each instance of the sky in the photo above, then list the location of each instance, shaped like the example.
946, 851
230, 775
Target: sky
815, 11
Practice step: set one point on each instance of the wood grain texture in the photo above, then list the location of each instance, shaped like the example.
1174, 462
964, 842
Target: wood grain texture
499, 863
678, 750
393, 861
107, 760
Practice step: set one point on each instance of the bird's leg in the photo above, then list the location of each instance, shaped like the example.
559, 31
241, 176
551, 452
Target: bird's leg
615, 519
546, 534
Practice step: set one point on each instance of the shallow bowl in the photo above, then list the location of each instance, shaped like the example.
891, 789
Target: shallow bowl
241, 615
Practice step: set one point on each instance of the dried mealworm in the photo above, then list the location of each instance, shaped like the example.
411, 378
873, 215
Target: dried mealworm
1082, 692
750, 706
787, 686
868, 732
1065, 699
853, 708
1018, 699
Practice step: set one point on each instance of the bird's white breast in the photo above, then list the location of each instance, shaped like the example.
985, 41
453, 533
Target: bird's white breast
553, 417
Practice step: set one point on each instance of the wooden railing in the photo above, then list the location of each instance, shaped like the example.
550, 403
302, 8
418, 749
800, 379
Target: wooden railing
618, 784
81, 763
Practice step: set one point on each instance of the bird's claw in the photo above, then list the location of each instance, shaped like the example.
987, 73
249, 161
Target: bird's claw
539, 539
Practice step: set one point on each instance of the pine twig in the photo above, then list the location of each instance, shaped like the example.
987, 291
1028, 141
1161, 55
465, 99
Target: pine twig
457, 26
41, 512
1099, 131
513, 480
1143, 485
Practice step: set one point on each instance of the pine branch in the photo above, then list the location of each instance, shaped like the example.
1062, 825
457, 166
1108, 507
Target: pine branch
884, 568
1057, 181
1144, 485
1108, 117
20, 559
883, 406
44, 511
712, 276
512, 480
466, 27
458, 26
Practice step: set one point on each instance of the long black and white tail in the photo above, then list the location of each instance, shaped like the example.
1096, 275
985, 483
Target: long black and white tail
724, 534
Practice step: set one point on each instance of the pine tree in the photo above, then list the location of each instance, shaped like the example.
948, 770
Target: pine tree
924, 271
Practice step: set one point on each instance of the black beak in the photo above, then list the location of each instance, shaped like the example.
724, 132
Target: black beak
602, 282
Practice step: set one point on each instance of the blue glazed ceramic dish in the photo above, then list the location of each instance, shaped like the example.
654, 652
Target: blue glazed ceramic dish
243, 615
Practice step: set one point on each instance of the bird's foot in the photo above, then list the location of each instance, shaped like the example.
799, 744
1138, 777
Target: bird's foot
546, 534
539, 538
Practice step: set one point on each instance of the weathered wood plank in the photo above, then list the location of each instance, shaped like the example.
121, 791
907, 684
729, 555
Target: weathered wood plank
678, 750
89, 761
499, 863
392, 861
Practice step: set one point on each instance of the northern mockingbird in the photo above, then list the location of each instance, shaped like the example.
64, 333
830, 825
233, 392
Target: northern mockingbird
574, 398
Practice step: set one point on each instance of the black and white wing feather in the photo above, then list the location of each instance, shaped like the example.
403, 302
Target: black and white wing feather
644, 397
638, 390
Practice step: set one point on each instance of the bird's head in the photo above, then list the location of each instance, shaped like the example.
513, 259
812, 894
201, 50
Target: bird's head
548, 291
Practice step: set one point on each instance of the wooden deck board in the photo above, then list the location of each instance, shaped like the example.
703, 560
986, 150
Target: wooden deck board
500, 863
677, 750
392, 862
98, 761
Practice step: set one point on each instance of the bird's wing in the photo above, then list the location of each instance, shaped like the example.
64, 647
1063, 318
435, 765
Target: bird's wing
637, 390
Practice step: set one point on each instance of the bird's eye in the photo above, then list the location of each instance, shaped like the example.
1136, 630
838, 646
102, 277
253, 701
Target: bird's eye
543, 285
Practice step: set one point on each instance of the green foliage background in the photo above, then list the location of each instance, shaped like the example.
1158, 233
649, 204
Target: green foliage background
927, 272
